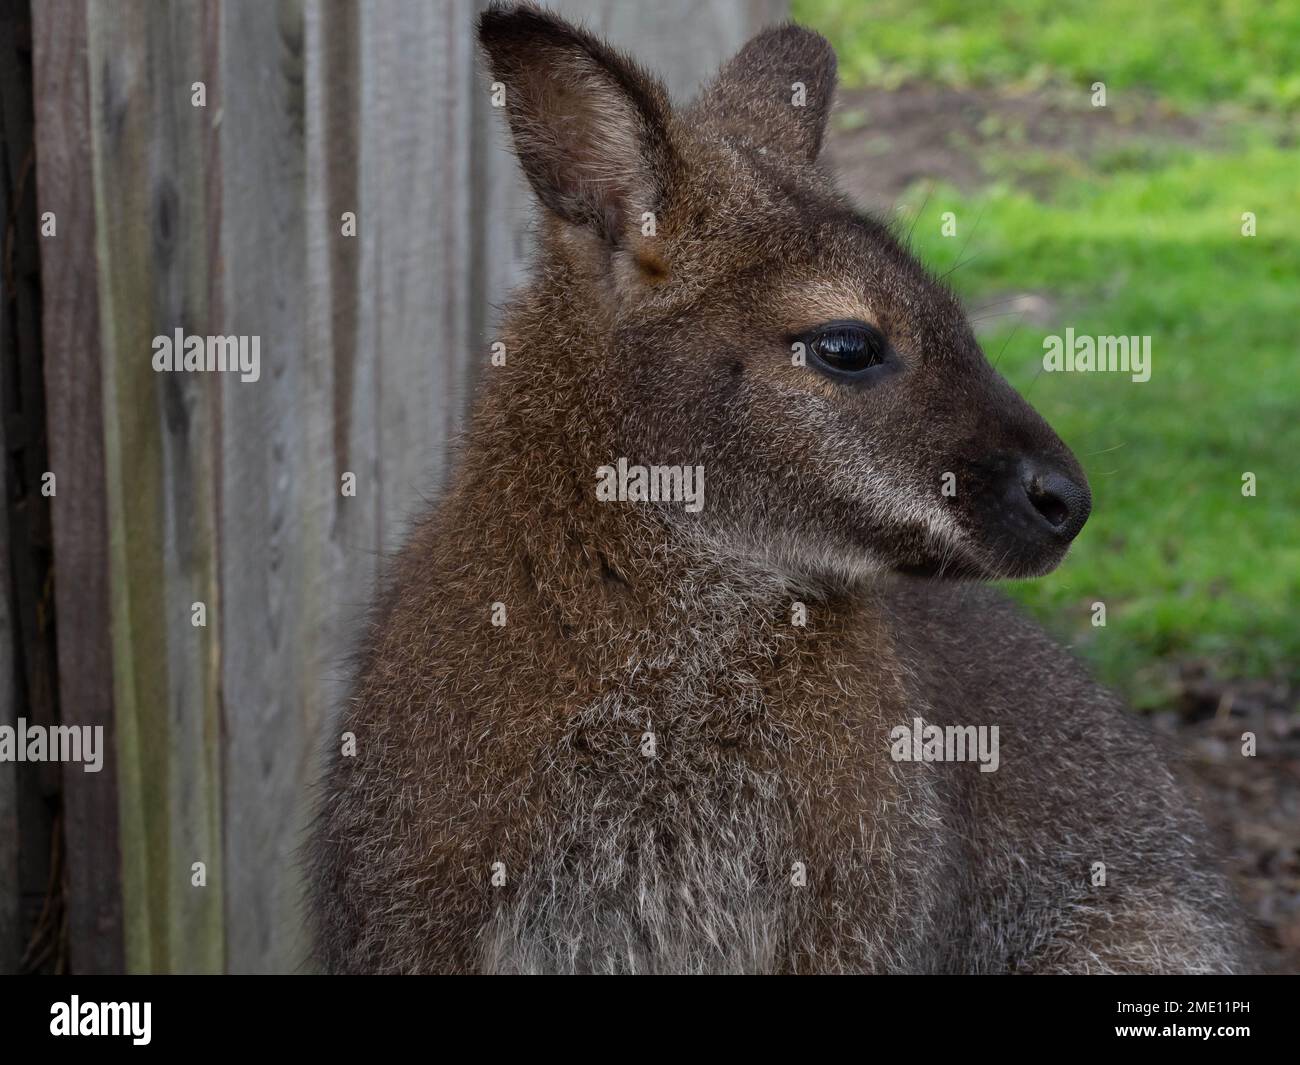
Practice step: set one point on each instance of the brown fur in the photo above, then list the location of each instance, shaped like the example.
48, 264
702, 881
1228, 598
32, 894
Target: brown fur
522, 748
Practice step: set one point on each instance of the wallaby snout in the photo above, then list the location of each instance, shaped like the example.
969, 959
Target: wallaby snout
1030, 507
1021, 497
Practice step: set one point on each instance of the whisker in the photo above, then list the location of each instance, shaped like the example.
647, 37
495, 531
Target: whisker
1013, 332
929, 190
1103, 451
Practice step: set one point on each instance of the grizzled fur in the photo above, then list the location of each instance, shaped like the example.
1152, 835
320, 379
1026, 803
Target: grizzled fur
521, 749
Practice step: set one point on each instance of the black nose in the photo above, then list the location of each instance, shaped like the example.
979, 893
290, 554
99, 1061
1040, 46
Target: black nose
1061, 503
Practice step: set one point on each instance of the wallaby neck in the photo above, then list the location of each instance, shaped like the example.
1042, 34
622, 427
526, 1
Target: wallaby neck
605, 571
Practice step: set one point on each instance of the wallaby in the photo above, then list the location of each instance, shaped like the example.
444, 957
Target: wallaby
597, 734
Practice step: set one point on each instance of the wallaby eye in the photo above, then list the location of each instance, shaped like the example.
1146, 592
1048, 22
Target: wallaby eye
848, 347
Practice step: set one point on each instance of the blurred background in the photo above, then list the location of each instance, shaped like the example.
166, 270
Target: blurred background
1097, 160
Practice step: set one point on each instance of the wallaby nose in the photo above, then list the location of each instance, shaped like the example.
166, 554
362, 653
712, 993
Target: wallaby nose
1061, 502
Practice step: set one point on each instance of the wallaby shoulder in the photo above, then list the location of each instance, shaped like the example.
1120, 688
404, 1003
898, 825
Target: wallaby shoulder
1084, 807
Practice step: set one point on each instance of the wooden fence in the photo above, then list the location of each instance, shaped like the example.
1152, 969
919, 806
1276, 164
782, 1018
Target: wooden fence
197, 167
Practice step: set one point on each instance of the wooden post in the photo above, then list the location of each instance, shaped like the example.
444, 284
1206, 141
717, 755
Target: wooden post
74, 389
152, 153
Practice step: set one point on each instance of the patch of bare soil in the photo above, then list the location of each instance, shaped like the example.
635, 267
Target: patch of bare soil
883, 141
1251, 802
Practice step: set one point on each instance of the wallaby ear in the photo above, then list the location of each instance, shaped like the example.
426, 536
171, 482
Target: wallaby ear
589, 126
776, 93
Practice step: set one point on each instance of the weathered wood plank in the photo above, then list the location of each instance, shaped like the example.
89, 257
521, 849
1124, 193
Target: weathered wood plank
11, 930
15, 140
416, 191
74, 389
277, 490
152, 150
29, 929
334, 304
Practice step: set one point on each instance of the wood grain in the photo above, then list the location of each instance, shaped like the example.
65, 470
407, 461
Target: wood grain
152, 152
75, 416
275, 490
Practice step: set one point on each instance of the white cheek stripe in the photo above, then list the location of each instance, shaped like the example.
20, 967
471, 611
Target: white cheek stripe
904, 504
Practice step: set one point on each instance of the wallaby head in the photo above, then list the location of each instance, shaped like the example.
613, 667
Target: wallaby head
736, 313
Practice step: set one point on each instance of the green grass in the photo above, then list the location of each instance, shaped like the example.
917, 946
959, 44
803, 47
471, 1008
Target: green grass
1145, 240
1189, 51
1186, 564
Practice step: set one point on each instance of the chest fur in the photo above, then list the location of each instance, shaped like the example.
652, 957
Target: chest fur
712, 811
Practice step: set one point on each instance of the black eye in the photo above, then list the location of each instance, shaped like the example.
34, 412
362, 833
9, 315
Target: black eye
848, 347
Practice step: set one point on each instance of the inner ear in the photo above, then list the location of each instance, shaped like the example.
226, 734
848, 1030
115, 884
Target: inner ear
776, 94
590, 128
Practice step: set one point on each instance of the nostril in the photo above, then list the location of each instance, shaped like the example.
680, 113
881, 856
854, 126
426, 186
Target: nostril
1050, 506
1062, 503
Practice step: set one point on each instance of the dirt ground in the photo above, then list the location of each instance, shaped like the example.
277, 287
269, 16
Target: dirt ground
884, 141
882, 144
1252, 803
